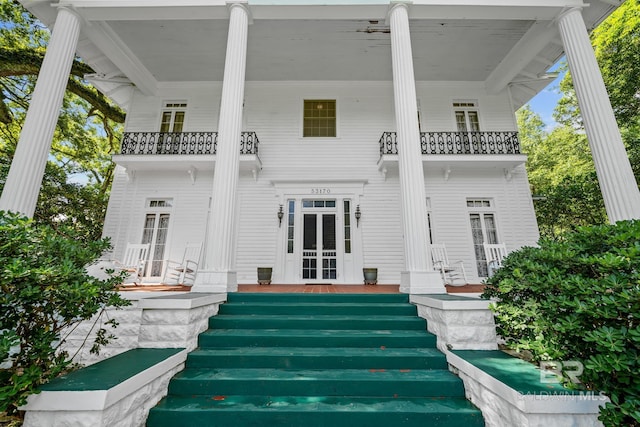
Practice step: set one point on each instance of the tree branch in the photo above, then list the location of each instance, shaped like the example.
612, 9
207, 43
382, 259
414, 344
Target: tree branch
21, 62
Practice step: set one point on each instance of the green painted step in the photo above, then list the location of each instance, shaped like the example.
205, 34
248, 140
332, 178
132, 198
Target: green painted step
320, 308
281, 321
314, 338
236, 297
343, 382
317, 358
310, 411
110, 372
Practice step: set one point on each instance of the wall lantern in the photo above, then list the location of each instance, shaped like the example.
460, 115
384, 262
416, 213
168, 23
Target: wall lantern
358, 215
280, 215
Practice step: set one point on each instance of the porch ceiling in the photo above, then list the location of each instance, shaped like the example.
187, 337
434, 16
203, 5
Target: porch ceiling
150, 44
194, 50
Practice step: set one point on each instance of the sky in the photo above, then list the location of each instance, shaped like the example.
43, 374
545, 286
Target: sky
544, 102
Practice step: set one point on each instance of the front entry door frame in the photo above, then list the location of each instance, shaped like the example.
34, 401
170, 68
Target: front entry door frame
288, 268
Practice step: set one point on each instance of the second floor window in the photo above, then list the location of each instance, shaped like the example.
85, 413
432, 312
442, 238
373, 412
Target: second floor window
173, 117
466, 116
319, 118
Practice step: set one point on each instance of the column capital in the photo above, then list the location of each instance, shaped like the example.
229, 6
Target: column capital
398, 4
241, 4
567, 12
72, 10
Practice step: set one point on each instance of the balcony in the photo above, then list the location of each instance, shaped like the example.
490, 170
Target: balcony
493, 149
190, 151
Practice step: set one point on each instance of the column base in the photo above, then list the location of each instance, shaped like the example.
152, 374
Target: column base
421, 282
215, 282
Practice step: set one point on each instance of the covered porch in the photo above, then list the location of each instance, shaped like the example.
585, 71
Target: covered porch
510, 49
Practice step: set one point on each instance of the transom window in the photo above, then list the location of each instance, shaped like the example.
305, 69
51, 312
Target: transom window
478, 203
173, 116
464, 104
319, 118
161, 203
318, 203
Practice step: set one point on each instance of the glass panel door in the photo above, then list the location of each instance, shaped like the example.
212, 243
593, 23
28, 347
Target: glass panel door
155, 232
483, 229
171, 125
319, 228
310, 247
468, 124
329, 261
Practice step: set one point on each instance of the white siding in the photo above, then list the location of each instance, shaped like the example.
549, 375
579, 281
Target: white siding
381, 224
436, 104
257, 228
365, 110
202, 108
450, 215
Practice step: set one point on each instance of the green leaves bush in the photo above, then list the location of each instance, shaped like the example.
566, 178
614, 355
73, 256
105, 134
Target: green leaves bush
577, 298
45, 291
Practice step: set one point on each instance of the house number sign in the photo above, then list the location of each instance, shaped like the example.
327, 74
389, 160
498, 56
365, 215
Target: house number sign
320, 191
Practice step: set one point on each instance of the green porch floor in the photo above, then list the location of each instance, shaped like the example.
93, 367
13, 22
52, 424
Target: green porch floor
520, 375
108, 373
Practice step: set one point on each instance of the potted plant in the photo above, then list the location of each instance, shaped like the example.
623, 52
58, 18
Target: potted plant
370, 275
264, 275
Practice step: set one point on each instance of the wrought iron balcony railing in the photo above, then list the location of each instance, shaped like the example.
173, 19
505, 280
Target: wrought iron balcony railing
160, 143
457, 143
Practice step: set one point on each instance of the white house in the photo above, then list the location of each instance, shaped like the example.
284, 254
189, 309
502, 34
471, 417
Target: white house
319, 137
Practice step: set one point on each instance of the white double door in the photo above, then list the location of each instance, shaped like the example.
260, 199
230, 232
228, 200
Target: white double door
319, 251
320, 241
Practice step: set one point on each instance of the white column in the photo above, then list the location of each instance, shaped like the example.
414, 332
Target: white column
617, 182
20, 193
218, 274
419, 276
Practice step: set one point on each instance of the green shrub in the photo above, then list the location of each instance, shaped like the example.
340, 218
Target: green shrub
45, 291
577, 298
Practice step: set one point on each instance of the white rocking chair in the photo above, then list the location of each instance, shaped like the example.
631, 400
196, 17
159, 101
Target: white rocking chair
450, 274
494, 254
183, 272
134, 261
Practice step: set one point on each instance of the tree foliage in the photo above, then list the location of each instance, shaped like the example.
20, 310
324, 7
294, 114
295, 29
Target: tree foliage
45, 291
79, 172
22, 51
560, 166
576, 298
561, 175
617, 48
